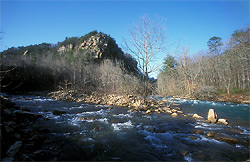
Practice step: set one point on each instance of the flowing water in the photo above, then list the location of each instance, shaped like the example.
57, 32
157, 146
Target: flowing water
114, 133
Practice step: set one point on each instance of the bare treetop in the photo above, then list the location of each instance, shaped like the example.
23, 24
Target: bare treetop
147, 40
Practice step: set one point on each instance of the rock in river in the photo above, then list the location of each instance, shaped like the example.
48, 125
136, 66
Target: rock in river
196, 116
174, 114
223, 121
211, 134
212, 116
227, 139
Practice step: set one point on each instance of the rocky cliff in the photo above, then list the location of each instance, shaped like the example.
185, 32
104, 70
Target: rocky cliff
101, 46
97, 46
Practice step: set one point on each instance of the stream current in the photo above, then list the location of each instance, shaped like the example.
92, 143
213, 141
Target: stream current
114, 133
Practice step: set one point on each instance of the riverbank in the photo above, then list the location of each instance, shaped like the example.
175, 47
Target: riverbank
25, 136
133, 102
20, 138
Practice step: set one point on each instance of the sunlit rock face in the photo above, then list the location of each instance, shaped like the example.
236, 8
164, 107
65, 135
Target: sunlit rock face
101, 46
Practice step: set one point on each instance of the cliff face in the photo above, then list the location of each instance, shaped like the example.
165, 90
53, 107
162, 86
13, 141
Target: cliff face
101, 46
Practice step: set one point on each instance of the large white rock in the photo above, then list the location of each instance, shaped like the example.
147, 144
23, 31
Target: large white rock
223, 121
212, 116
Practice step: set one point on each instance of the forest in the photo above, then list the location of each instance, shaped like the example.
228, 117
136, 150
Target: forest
224, 68
94, 62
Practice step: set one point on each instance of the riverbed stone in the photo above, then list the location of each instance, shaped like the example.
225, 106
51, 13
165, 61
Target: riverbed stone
174, 111
223, 121
14, 148
211, 134
212, 116
8, 159
28, 98
226, 139
184, 152
169, 111
148, 111
180, 112
150, 128
196, 131
177, 108
174, 115
196, 116
192, 137
236, 130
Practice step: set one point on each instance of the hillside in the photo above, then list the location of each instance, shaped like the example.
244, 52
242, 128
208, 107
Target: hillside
78, 62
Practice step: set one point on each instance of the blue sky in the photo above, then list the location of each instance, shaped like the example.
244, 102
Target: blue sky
192, 22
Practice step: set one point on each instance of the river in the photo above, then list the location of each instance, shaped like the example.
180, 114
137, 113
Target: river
99, 132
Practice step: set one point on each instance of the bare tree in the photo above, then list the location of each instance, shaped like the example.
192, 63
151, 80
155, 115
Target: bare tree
147, 40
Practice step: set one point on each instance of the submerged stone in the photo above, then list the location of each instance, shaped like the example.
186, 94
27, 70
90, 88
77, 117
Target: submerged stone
197, 132
14, 149
211, 134
227, 139
8, 159
236, 130
193, 137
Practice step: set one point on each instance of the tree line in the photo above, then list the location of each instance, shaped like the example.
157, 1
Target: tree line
224, 68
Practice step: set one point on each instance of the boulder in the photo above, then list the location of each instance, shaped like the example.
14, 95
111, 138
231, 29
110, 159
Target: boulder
196, 116
223, 121
174, 115
212, 116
